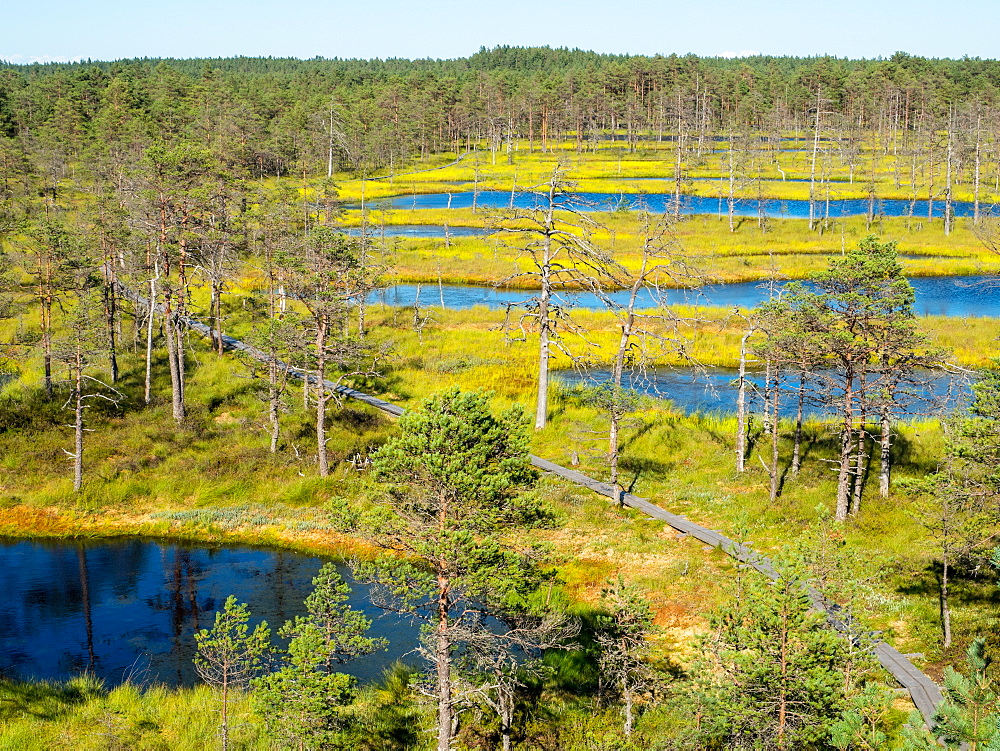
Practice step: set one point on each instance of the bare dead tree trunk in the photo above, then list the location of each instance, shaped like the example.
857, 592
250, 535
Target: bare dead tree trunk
945, 609
110, 315
217, 314
678, 160
885, 453
175, 362
47, 341
846, 449
860, 457
731, 193
948, 206
741, 406
629, 713
364, 262
977, 171
544, 324
273, 396
506, 719
542, 404
179, 355
182, 290
443, 676
613, 450
775, 433
78, 419
321, 398
797, 449
812, 168
149, 336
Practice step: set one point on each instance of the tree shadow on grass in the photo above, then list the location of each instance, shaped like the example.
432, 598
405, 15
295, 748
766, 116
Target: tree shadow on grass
646, 468
45, 700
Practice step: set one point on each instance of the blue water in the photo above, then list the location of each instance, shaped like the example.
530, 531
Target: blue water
418, 231
712, 138
949, 296
657, 202
773, 179
663, 202
129, 608
714, 390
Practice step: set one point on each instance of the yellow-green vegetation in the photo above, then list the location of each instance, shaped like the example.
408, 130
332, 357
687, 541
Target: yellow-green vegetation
82, 714
213, 477
782, 174
209, 188
783, 248
785, 251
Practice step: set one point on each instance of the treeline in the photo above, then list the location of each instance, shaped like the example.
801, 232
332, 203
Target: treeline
281, 116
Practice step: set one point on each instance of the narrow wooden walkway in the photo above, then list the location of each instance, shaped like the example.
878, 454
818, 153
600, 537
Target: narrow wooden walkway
923, 691
926, 694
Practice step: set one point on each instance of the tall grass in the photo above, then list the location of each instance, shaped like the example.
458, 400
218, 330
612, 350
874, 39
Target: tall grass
80, 714
612, 168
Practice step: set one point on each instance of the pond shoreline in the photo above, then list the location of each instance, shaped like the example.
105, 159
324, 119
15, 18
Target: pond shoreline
33, 523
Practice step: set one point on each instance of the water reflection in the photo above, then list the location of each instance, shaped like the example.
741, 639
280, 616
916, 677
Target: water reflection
714, 390
663, 202
129, 608
945, 295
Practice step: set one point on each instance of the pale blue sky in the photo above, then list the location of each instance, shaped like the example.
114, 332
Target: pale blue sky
111, 29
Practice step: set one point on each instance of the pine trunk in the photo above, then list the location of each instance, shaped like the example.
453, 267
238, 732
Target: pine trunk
797, 449
321, 397
844, 474
176, 387
885, 454
741, 407
78, 421
443, 674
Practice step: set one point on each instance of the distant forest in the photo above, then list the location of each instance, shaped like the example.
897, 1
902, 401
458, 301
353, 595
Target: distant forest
273, 117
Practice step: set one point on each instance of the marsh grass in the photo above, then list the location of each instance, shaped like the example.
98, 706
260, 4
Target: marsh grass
785, 250
212, 478
81, 714
611, 167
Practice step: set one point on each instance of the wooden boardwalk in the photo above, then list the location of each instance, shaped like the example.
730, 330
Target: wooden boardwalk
926, 694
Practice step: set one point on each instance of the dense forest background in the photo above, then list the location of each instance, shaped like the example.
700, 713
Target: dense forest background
276, 116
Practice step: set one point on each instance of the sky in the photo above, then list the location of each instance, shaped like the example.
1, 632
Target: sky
64, 30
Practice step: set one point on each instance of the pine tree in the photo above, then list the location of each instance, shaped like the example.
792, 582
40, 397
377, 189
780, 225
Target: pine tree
623, 637
970, 713
861, 329
229, 655
455, 471
775, 667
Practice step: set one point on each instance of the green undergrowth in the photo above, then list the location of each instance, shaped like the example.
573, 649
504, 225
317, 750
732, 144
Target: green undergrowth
213, 478
82, 714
